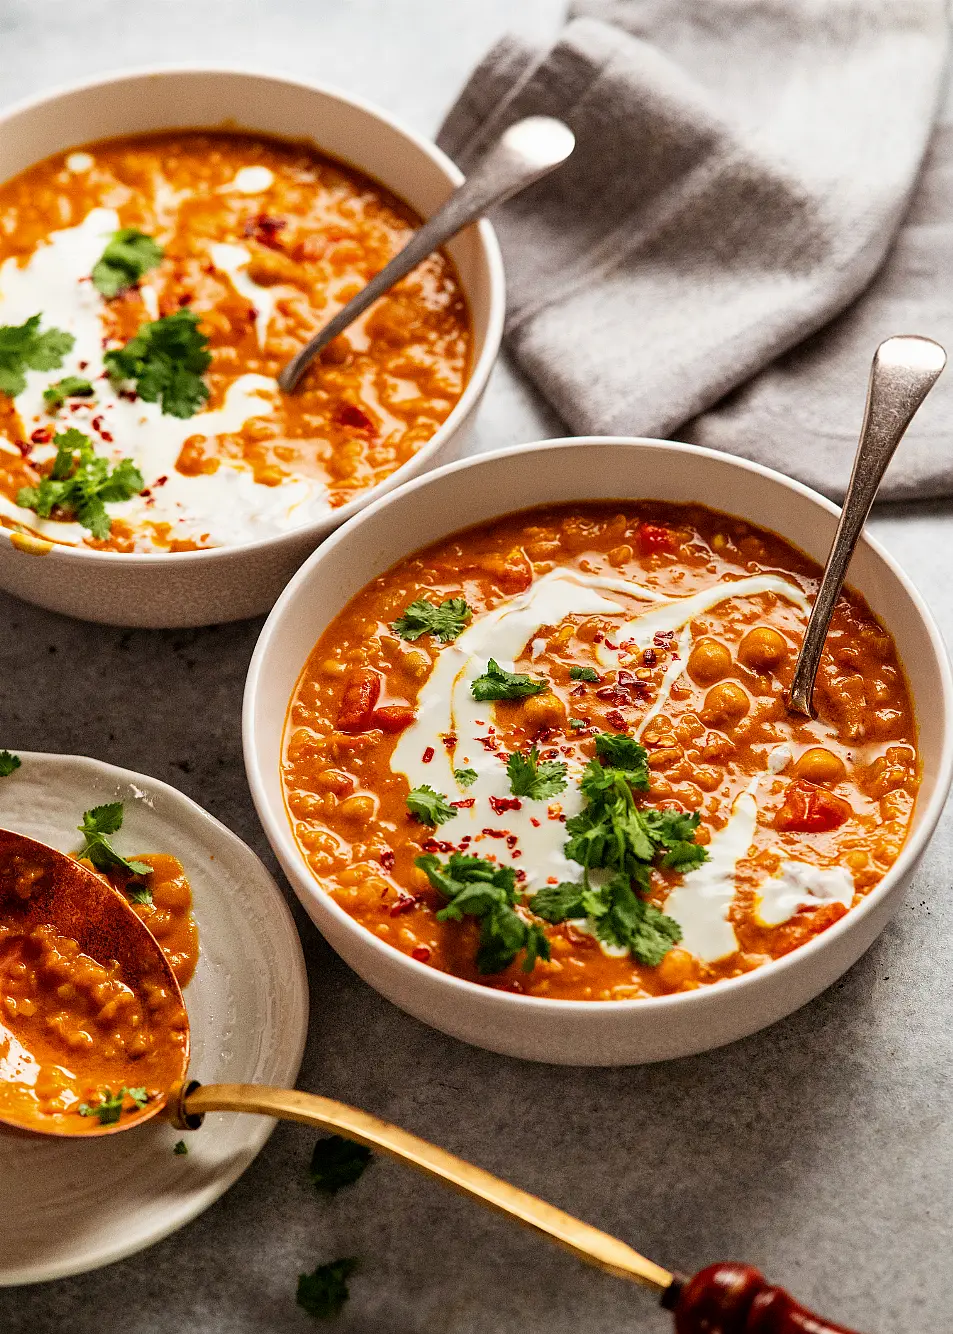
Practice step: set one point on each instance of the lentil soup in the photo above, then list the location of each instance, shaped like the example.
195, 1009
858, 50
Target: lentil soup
171, 276
551, 753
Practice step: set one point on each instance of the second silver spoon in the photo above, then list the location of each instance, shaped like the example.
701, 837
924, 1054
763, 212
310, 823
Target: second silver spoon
524, 153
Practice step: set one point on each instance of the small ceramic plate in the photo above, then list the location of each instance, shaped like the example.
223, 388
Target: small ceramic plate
68, 1207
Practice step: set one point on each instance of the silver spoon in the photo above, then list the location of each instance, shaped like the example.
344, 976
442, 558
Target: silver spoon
524, 153
904, 370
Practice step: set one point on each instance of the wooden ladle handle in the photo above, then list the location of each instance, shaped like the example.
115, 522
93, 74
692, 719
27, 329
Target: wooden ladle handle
737, 1299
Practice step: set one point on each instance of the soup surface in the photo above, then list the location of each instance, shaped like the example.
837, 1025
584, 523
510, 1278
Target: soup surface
173, 275
552, 753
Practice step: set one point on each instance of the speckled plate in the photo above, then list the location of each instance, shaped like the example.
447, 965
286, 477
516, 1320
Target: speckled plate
69, 1207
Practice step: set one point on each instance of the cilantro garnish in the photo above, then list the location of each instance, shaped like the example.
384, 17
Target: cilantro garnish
111, 1105
465, 777
529, 778
167, 359
495, 683
619, 915
559, 903
82, 485
428, 806
180, 1148
577, 723
9, 763
323, 1292
583, 674
23, 348
71, 386
97, 825
129, 254
444, 621
337, 1162
479, 888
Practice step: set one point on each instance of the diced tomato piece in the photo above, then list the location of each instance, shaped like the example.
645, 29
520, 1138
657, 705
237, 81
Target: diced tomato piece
393, 717
653, 537
348, 414
808, 809
361, 694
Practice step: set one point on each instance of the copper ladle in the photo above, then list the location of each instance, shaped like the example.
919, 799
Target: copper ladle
48, 887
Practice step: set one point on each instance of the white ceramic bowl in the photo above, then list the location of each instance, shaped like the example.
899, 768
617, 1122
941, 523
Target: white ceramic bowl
229, 583
588, 1032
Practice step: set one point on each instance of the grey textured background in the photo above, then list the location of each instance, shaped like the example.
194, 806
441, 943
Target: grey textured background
820, 1150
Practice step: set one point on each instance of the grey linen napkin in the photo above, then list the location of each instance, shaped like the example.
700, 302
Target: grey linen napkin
742, 171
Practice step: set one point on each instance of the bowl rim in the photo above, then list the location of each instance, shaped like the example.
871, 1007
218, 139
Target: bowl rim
281, 838
480, 370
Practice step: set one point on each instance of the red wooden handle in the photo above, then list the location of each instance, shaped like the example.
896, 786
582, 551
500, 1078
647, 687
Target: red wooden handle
737, 1299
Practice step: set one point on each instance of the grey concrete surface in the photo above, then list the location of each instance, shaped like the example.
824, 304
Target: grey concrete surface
820, 1150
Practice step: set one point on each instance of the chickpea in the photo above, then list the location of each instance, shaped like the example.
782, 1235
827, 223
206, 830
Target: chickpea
542, 711
677, 968
709, 660
415, 664
820, 765
360, 808
725, 704
762, 648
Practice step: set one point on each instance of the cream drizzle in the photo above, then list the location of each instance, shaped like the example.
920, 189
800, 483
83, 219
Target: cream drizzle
798, 885
233, 260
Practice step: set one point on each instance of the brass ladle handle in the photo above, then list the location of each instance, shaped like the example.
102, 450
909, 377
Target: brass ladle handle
194, 1100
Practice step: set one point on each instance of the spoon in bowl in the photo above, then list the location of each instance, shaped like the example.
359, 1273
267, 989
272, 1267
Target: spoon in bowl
904, 370
46, 896
524, 154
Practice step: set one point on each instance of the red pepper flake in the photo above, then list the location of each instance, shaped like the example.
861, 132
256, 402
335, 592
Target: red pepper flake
349, 414
404, 903
578, 690
501, 804
160, 481
663, 638
265, 229
613, 647
489, 742
449, 740
467, 838
437, 845
428, 755
515, 852
598, 637
494, 833
83, 365
42, 435
649, 657
24, 447
464, 804
534, 822
511, 841
421, 953
520, 875
387, 859
479, 722
614, 717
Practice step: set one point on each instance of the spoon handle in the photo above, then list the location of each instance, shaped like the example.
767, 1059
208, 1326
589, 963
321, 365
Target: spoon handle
525, 153
904, 370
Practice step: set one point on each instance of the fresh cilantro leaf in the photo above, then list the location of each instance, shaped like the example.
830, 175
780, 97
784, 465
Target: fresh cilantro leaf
9, 763
23, 348
583, 674
577, 723
624, 752
495, 683
337, 1162
444, 621
558, 903
129, 254
82, 485
166, 359
139, 893
71, 386
111, 1105
529, 778
477, 887
324, 1292
675, 831
622, 918
465, 777
428, 806
98, 824
180, 1148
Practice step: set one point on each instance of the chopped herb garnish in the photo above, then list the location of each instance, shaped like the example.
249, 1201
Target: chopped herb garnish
129, 254
444, 621
337, 1162
96, 828
324, 1292
23, 348
559, 903
82, 485
9, 763
71, 386
577, 723
166, 359
111, 1105
428, 806
619, 915
530, 778
495, 683
477, 887
465, 777
180, 1148
583, 674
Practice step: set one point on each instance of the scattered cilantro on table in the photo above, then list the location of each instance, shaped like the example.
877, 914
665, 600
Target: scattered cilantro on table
337, 1162
530, 778
166, 359
324, 1292
82, 485
23, 348
111, 1105
465, 777
428, 806
495, 683
128, 256
9, 763
444, 621
71, 386
476, 887
180, 1148
98, 824
583, 674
